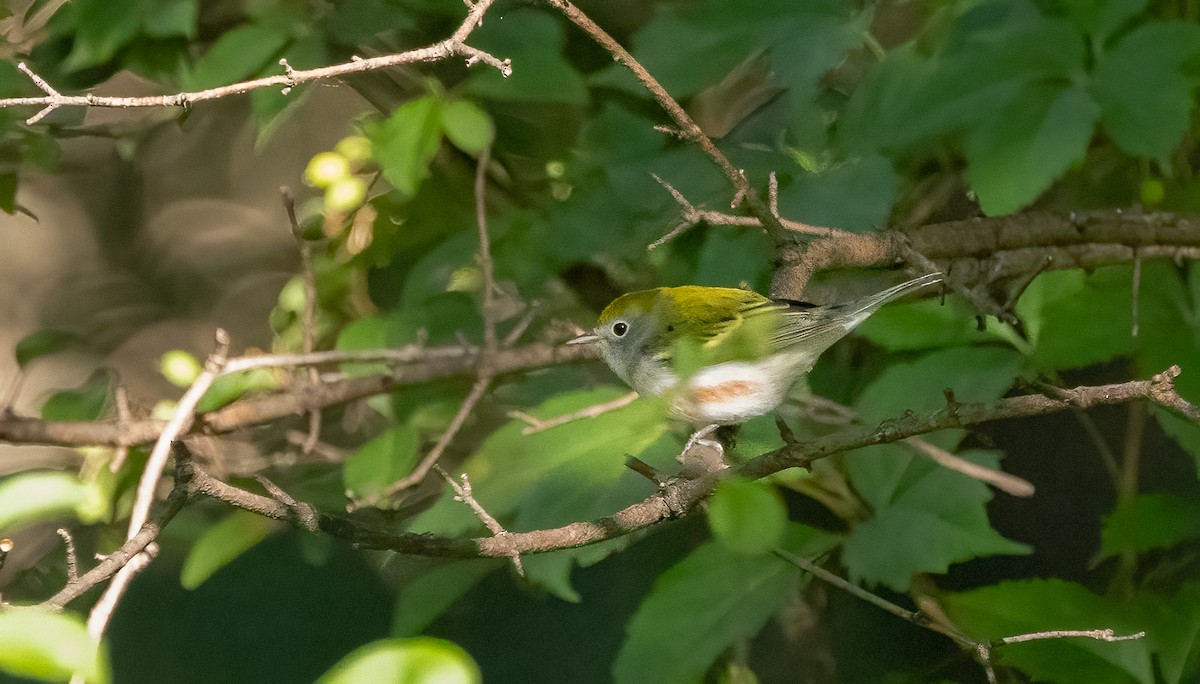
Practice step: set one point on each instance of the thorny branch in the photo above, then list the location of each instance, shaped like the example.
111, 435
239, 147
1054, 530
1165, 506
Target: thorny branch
454, 46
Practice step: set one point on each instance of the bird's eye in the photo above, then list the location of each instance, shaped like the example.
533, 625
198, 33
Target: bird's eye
620, 328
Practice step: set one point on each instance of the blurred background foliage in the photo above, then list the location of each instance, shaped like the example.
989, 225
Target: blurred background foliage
131, 235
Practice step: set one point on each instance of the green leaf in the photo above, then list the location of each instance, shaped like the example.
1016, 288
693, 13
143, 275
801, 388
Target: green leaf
100, 33
1099, 18
8, 192
423, 600
40, 495
237, 54
940, 84
223, 542
567, 473
534, 42
171, 18
1169, 325
229, 388
746, 516
85, 402
406, 142
1014, 156
43, 343
706, 602
1023, 607
1172, 625
973, 373
729, 257
421, 660
467, 127
1082, 319
1149, 521
1185, 432
1145, 95
927, 324
854, 195
381, 461
926, 517
800, 41
40, 644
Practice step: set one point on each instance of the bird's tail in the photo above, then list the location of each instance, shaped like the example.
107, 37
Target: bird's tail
866, 306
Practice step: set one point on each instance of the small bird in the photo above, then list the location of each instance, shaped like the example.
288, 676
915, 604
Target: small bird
722, 356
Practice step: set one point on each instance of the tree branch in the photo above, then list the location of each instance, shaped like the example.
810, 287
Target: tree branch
454, 46
419, 365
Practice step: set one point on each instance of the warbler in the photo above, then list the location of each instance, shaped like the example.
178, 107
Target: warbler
719, 355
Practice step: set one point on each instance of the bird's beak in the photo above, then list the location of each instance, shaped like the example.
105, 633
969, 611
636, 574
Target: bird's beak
586, 338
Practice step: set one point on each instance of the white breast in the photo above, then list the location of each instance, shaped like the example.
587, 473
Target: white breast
732, 392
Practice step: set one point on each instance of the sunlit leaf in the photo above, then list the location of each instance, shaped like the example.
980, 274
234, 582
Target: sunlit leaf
229, 388
223, 542
381, 461
467, 127
49, 646
406, 141
747, 516
41, 495
420, 660
571, 472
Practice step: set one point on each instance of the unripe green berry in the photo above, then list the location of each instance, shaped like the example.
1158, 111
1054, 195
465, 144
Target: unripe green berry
345, 194
326, 168
1152, 192
356, 149
179, 367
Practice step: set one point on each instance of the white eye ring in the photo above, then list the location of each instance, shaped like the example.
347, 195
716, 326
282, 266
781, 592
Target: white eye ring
620, 328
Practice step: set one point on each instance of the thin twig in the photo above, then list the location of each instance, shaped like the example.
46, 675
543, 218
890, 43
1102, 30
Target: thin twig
856, 591
1107, 457
185, 412
485, 371
418, 473
1134, 289
539, 425
522, 325
72, 559
1098, 634
413, 364
1001, 480
981, 649
147, 488
692, 216
309, 315
462, 492
688, 129
450, 47
121, 397
117, 559
486, 266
